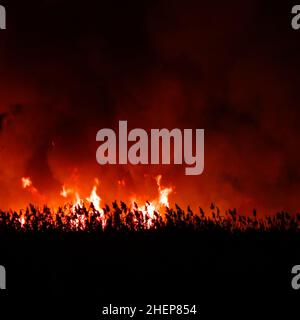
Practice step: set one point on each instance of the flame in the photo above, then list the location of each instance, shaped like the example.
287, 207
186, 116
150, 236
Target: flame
121, 183
95, 199
79, 208
164, 192
22, 219
78, 201
152, 210
26, 182
64, 192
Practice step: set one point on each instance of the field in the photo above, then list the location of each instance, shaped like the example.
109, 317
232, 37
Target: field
80, 260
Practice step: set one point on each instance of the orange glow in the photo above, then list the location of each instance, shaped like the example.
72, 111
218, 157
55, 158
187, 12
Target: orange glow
78, 201
74, 202
64, 192
95, 199
164, 192
26, 182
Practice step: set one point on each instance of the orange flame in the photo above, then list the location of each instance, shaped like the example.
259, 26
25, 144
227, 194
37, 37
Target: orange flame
155, 206
95, 199
26, 182
64, 192
164, 192
150, 211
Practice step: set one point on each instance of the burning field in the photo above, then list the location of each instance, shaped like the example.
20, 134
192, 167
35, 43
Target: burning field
121, 217
77, 231
91, 215
87, 214
154, 67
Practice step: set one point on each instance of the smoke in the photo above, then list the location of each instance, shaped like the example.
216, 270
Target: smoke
231, 69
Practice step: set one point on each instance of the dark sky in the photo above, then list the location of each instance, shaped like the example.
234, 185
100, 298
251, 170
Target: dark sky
69, 69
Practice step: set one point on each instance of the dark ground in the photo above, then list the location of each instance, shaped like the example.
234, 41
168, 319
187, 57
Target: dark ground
224, 274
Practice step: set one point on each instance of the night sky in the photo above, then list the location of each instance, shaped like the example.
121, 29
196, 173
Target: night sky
232, 68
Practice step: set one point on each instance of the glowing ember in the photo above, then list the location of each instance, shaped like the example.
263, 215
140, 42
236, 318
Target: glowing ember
121, 183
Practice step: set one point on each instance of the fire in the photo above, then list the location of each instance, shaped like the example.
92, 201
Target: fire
22, 220
79, 209
95, 199
164, 192
78, 201
152, 209
26, 182
121, 183
64, 192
